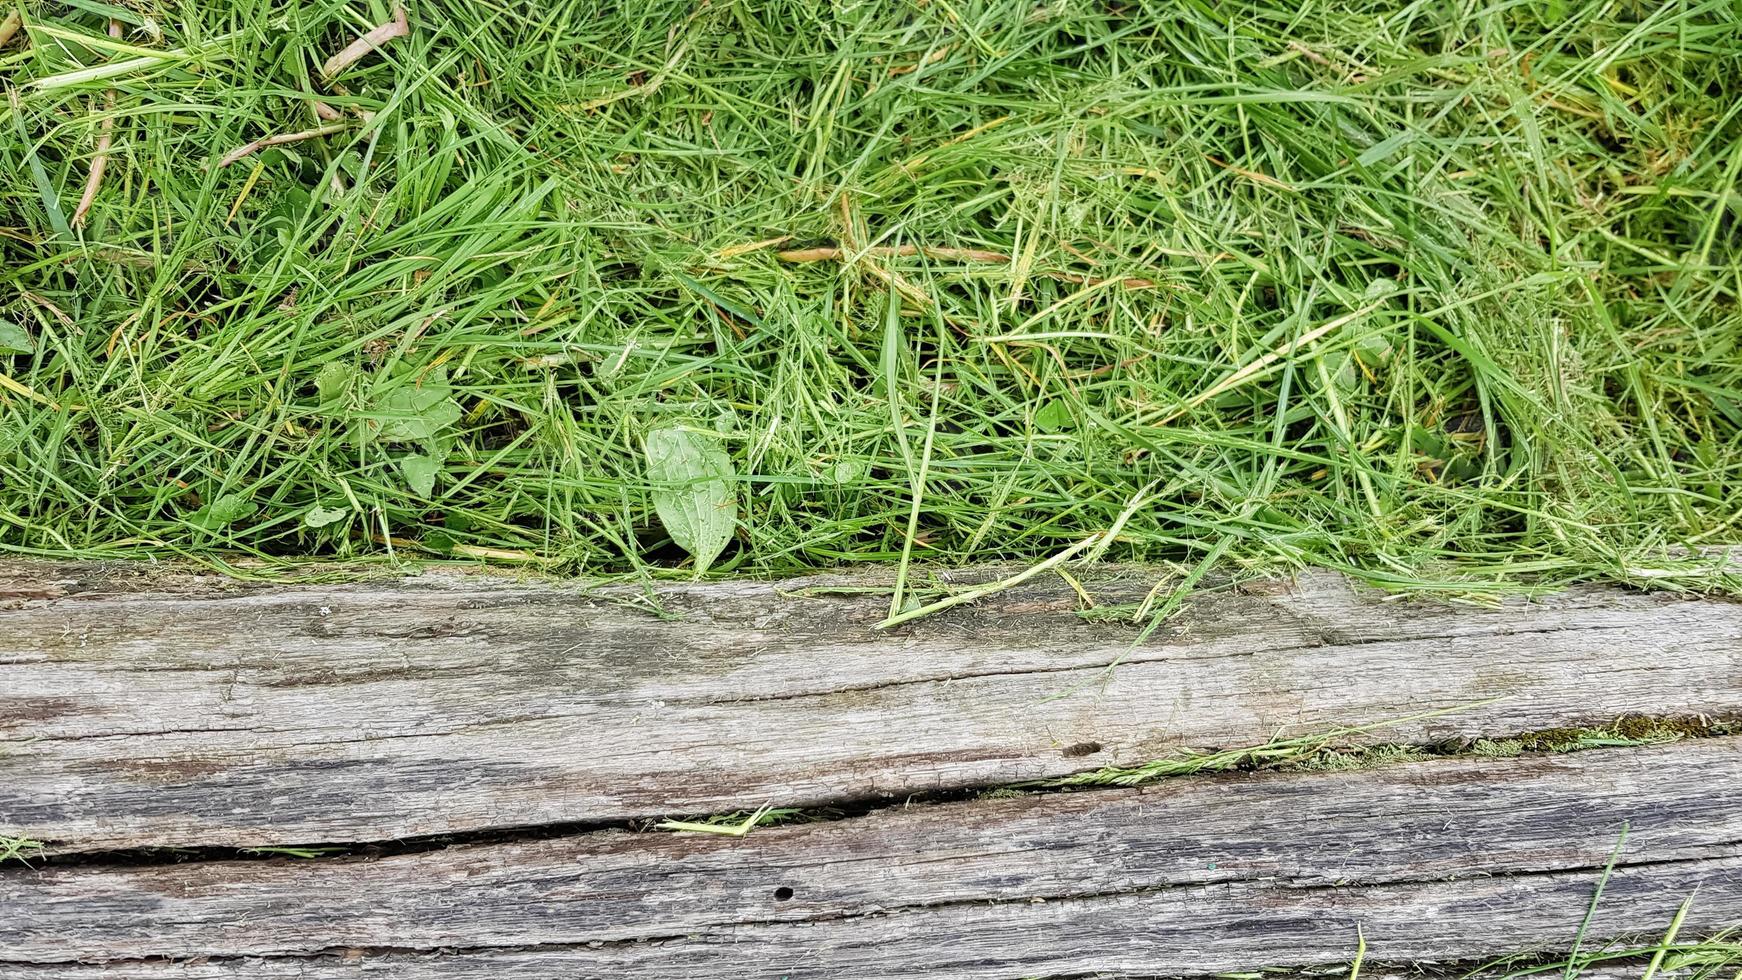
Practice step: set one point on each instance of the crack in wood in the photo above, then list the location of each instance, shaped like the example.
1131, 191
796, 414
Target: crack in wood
1140, 655
831, 811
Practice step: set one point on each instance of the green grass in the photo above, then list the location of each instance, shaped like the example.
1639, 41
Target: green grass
1350, 748
21, 849
537, 231
1716, 957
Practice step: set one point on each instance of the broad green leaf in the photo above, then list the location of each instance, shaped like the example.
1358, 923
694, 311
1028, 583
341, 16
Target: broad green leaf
419, 473
847, 471
693, 491
109, 10
440, 542
232, 507
319, 516
13, 338
1460, 469
224, 511
1344, 373
1373, 350
1054, 416
416, 411
334, 380
1428, 442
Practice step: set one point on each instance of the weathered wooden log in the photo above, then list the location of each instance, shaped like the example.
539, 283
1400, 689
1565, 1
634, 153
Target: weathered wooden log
561, 965
1446, 859
139, 710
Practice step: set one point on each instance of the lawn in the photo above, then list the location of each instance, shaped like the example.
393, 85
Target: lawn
1445, 294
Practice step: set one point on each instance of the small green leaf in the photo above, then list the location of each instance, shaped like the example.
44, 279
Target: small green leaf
13, 338
232, 507
319, 516
1460, 469
692, 481
292, 204
847, 471
419, 473
1373, 350
334, 380
1344, 374
1429, 442
224, 511
1054, 416
1379, 289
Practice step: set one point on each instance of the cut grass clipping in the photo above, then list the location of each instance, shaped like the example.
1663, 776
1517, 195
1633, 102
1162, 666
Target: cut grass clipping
21, 849
1442, 293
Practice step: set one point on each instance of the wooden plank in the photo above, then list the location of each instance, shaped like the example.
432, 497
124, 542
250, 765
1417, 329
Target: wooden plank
138, 711
1447, 859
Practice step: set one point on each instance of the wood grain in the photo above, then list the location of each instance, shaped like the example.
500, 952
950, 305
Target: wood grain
139, 709
1446, 859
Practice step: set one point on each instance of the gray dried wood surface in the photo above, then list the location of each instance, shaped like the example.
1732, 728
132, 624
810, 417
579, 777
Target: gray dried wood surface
149, 709
1441, 860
